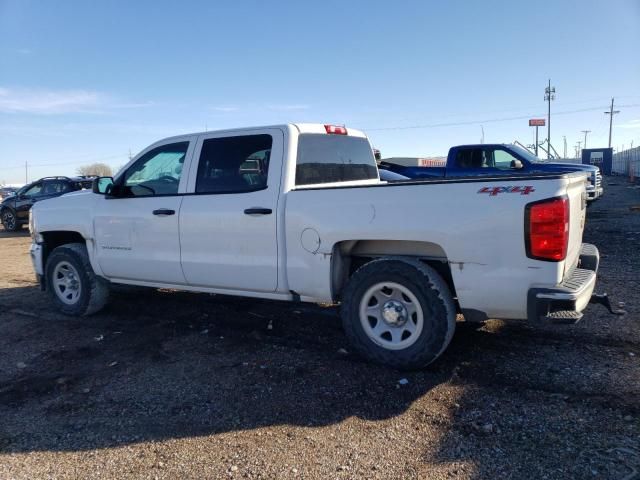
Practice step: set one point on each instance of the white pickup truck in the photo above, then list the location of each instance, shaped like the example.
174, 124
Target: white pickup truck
298, 212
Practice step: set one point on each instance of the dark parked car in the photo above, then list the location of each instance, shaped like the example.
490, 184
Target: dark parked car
14, 210
7, 192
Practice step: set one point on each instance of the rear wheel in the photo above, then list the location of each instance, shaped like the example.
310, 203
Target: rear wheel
9, 220
398, 313
72, 284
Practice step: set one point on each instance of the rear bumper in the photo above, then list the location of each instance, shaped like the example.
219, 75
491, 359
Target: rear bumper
565, 302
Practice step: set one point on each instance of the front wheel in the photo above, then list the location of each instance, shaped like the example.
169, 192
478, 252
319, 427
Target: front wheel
398, 313
9, 220
73, 286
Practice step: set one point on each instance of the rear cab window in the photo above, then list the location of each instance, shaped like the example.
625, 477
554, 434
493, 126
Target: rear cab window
326, 159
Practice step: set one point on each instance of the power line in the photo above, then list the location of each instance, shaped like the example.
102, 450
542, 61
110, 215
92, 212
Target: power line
62, 164
484, 120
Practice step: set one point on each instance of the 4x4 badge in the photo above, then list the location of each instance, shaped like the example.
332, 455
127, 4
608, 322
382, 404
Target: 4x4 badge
493, 191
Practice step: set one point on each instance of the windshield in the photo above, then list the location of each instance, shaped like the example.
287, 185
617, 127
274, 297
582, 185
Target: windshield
530, 157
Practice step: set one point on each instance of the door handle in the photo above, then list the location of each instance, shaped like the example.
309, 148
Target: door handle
164, 212
258, 211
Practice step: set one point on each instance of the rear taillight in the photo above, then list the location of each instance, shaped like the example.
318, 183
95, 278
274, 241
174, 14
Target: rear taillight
335, 129
547, 229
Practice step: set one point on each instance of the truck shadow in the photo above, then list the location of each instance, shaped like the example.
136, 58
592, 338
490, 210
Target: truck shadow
24, 232
157, 365
161, 365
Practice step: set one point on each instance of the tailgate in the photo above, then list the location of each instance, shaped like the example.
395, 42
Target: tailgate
577, 212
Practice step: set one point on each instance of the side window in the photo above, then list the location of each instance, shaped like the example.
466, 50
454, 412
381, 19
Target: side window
33, 191
503, 160
53, 187
234, 164
467, 158
157, 172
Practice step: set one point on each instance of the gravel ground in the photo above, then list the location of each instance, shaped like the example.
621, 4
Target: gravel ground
178, 385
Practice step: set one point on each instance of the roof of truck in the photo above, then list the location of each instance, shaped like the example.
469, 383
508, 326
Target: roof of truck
318, 128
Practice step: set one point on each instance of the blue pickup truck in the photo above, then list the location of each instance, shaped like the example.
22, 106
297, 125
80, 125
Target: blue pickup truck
495, 159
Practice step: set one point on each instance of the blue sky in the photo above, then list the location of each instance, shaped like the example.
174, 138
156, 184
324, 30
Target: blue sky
92, 81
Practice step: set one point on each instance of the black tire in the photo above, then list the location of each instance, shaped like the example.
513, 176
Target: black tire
94, 290
10, 220
431, 291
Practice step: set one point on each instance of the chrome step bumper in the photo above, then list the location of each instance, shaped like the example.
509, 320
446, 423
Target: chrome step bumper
564, 303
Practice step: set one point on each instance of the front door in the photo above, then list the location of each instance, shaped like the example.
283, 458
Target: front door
136, 229
25, 200
228, 226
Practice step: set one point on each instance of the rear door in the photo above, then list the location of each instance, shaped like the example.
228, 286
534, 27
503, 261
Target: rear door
228, 225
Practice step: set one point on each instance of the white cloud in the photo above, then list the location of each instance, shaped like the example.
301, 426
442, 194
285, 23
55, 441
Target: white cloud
288, 107
49, 102
22, 100
226, 108
631, 124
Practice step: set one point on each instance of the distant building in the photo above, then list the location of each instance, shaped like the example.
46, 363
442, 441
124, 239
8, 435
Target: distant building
418, 161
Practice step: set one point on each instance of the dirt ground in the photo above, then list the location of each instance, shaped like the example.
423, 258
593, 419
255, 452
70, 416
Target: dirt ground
179, 385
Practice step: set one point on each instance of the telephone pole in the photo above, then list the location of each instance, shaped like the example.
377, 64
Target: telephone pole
585, 136
549, 94
578, 149
564, 139
26, 172
611, 113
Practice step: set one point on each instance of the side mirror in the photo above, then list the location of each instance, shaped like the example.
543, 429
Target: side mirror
102, 185
517, 164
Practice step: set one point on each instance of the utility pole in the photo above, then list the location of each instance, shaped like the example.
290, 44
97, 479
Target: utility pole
26, 172
585, 137
482, 138
549, 94
564, 139
578, 145
611, 113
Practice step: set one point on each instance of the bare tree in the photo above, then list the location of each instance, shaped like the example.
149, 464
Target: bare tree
99, 169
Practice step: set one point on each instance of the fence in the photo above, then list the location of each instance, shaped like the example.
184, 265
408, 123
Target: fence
627, 163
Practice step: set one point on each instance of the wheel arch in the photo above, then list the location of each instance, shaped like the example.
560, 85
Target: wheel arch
56, 238
350, 255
